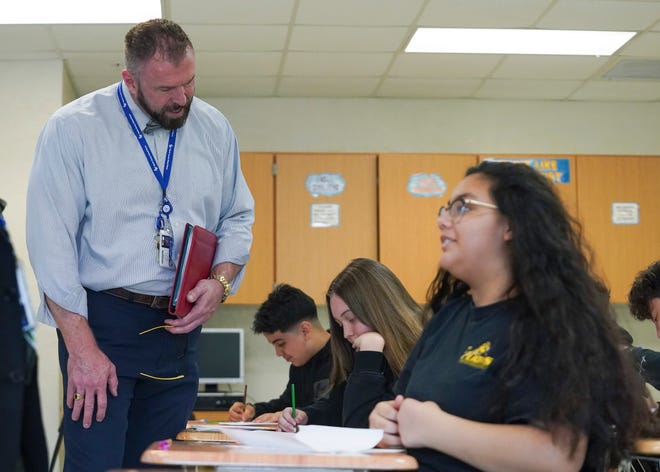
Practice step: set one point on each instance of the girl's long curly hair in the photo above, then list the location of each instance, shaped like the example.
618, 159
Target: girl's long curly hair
567, 339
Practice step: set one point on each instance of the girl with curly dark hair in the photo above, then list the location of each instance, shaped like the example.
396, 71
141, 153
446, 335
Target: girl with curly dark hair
520, 369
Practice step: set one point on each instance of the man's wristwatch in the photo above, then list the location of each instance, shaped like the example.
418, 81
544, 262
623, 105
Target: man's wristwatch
225, 284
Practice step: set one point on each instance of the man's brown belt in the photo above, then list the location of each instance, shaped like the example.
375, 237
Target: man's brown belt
157, 302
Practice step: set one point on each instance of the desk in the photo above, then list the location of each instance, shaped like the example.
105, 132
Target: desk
191, 433
645, 456
647, 447
211, 415
204, 436
239, 457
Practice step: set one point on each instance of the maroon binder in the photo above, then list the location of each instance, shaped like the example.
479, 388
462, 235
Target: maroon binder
195, 260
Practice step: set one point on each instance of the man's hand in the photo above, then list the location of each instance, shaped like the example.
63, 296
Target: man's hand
89, 372
89, 375
205, 297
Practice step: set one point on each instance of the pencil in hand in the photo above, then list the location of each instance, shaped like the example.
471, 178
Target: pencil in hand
293, 407
244, 418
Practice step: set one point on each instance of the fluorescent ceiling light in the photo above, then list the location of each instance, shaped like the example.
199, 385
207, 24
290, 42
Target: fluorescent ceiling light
28, 12
517, 41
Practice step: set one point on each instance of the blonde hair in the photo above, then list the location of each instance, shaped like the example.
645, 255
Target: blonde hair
379, 300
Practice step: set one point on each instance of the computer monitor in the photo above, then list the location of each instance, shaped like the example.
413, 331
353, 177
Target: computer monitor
220, 357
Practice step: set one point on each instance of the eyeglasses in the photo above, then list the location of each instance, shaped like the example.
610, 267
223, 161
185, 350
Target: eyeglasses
460, 207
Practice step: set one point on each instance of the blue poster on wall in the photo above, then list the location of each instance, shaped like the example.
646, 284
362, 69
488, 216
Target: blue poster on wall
557, 170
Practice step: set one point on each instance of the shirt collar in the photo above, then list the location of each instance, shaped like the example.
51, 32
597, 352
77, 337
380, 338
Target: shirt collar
141, 117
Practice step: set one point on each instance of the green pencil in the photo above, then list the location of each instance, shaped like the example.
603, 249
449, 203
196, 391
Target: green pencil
293, 405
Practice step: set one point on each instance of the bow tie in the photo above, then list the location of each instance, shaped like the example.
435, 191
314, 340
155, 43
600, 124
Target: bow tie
151, 127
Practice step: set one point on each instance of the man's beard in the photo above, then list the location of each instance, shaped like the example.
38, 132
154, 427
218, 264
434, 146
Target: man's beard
161, 117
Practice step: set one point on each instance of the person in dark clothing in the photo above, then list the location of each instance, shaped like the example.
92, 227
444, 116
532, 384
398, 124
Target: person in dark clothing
374, 324
23, 446
289, 321
521, 367
647, 361
644, 295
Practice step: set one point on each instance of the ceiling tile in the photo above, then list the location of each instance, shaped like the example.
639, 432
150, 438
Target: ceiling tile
236, 38
444, 65
350, 48
362, 12
102, 64
335, 64
483, 13
601, 15
428, 88
655, 27
327, 87
527, 89
633, 69
25, 38
549, 67
610, 90
97, 37
234, 86
347, 38
644, 44
227, 12
226, 64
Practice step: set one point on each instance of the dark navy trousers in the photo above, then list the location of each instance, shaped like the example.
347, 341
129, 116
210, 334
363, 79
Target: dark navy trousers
158, 382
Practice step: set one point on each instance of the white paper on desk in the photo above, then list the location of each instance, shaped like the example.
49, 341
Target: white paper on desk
310, 438
219, 425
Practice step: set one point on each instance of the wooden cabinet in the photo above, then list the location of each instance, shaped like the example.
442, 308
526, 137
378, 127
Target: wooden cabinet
622, 247
410, 193
312, 190
378, 216
260, 271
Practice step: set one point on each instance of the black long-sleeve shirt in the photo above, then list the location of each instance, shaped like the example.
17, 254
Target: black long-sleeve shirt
311, 381
350, 403
647, 362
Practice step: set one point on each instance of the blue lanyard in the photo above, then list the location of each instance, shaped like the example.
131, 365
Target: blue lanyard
163, 179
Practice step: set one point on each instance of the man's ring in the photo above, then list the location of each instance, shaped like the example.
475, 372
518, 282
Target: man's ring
77, 396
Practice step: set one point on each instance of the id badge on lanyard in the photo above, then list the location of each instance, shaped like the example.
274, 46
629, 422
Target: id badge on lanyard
164, 237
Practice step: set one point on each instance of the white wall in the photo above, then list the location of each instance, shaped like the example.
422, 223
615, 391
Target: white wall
445, 126
31, 91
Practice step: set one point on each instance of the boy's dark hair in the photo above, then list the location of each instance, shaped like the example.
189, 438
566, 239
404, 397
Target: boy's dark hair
645, 288
285, 306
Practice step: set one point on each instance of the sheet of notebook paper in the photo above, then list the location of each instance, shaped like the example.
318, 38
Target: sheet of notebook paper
309, 438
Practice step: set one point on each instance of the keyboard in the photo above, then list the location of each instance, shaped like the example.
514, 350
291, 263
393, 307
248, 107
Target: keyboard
216, 401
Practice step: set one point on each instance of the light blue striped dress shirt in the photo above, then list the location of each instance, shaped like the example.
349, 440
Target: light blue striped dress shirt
93, 199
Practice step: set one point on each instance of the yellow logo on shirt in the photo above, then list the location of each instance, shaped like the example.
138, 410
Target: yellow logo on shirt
478, 357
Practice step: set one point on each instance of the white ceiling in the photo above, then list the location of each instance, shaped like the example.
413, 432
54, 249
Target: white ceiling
354, 48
